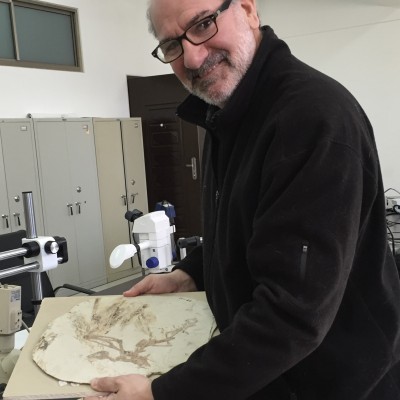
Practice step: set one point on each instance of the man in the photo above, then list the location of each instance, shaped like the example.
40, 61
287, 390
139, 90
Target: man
295, 262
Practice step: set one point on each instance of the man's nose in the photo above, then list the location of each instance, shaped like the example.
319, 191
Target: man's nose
193, 55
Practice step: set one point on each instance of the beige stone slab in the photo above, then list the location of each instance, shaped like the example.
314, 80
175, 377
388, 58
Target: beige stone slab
28, 381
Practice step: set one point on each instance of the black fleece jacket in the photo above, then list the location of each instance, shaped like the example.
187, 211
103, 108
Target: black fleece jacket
295, 261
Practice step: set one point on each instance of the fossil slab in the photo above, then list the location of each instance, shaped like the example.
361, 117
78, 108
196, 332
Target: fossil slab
108, 336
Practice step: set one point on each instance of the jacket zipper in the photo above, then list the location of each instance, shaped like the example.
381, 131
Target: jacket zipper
303, 260
209, 277
216, 200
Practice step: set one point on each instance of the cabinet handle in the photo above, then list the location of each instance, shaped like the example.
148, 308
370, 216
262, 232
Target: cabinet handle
71, 211
16, 216
133, 195
123, 197
78, 207
5, 217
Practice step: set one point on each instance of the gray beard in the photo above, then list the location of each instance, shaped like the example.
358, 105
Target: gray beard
199, 86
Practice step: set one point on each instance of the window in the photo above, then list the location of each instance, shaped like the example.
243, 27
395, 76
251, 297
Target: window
39, 35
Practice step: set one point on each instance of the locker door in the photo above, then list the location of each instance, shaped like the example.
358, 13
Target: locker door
21, 172
134, 163
57, 199
4, 209
85, 195
135, 172
113, 198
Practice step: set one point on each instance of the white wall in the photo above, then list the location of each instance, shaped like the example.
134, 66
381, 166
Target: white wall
115, 43
354, 41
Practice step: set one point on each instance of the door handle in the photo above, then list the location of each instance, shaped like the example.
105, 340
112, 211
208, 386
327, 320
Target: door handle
193, 165
123, 197
5, 217
16, 216
71, 211
78, 207
133, 195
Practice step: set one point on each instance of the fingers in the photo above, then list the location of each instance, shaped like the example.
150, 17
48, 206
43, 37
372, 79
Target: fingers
176, 281
142, 287
124, 387
107, 384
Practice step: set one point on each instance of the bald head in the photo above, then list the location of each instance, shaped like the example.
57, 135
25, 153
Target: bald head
154, 6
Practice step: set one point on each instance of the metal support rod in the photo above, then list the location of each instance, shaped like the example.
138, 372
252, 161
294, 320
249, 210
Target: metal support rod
37, 290
30, 224
4, 255
29, 211
18, 270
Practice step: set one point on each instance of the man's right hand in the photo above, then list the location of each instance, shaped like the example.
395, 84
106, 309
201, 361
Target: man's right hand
173, 282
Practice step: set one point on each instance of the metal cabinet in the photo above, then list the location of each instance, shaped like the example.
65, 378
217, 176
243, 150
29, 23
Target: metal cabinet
122, 183
18, 173
135, 172
70, 197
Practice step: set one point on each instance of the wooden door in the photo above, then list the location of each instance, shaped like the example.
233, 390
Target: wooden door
171, 147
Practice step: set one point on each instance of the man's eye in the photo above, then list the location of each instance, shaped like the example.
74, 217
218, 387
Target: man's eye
170, 47
201, 27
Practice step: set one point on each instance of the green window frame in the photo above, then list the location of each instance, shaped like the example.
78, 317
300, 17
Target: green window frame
35, 34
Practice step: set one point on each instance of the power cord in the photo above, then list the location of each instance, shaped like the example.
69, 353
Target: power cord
393, 234
26, 327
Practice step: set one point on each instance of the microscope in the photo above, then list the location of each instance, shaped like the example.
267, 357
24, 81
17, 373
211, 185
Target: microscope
152, 241
41, 253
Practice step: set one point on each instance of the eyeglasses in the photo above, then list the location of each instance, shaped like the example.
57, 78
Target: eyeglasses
198, 33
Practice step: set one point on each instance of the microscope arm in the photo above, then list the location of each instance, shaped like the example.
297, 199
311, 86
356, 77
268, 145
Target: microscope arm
125, 251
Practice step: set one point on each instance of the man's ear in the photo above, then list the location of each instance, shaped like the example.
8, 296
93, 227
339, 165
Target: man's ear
250, 8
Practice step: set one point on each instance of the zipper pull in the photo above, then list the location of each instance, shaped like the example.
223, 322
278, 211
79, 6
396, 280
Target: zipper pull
216, 198
303, 261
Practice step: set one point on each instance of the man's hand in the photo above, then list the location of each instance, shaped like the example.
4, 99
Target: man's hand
125, 387
173, 282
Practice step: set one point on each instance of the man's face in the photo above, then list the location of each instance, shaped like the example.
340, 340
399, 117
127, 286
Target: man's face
211, 70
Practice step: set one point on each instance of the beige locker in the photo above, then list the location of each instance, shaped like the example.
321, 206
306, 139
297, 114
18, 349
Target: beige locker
18, 173
70, 196
122, 184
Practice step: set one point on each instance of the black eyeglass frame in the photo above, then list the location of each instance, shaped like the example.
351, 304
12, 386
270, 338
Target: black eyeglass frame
213, 17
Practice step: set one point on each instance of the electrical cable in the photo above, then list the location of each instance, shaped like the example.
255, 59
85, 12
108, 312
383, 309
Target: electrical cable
392, 223
387, 190
392, 240
26, 327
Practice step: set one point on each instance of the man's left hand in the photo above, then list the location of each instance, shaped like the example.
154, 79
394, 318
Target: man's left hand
125, 387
